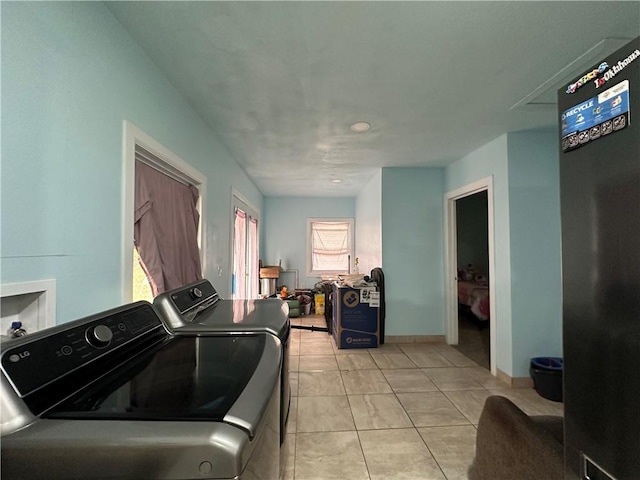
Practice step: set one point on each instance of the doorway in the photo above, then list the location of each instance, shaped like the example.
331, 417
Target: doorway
245, 251
472, 246
470, 275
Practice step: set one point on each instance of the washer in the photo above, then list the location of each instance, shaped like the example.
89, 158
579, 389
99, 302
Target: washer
198, 309
115, 395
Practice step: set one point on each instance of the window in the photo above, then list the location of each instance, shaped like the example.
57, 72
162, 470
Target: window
142, 289
329, 245
139, 147
166, 224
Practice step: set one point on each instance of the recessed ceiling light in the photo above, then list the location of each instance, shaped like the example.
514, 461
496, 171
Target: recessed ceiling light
336, 180
360, 127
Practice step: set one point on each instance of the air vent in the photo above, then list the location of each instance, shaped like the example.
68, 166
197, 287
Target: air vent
546, 94
593, 471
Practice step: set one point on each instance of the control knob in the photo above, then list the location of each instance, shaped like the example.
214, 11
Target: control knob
196, 293
99, 336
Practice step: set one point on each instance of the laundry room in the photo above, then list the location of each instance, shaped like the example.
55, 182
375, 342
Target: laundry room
168, 167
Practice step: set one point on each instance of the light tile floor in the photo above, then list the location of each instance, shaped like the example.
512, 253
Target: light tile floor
401, 411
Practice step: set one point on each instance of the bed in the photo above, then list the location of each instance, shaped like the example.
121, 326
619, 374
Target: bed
475, 296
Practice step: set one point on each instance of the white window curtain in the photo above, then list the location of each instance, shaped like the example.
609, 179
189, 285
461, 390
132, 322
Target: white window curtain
240, 254
245, 275
330, 246
254, 267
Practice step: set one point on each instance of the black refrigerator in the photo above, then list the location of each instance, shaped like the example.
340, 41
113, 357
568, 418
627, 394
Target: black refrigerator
600, 204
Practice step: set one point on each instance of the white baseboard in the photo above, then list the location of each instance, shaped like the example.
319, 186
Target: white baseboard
515, 382
414, 338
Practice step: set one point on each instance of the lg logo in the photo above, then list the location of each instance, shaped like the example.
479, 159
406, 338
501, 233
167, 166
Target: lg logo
17, 357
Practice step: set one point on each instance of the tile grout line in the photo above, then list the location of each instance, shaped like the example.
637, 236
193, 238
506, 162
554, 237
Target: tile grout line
395, 393
439, 390
364, 457
416, 428
443, 426
295, 448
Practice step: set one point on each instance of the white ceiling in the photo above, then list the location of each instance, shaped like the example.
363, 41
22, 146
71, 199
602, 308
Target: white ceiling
281, 82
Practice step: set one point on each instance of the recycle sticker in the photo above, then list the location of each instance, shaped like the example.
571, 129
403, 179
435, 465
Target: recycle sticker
595, 118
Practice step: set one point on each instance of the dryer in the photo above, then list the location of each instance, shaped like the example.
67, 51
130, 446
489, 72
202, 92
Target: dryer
197, 309
115, 395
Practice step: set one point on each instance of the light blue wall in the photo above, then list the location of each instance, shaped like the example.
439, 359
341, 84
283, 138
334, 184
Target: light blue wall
285, 226
412, 250
70, 76
491, 160
369, 225
534, 206
524, 167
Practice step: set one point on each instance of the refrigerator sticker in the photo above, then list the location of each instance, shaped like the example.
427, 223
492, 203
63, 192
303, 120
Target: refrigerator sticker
587, 77
607, 73
595, 118
614, 70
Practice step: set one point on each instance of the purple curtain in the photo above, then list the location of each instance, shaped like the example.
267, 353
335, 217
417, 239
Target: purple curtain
166, 229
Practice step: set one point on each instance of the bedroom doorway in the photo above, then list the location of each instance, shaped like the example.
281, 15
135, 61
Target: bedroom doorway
471, 318
472, 247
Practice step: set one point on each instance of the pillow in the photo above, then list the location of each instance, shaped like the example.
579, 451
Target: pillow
466, 274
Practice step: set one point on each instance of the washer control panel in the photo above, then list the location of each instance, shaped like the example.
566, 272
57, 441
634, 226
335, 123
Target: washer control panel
37, 360
192, 296
99, 336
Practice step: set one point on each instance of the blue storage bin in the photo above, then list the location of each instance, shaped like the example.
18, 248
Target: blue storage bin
547, 363
546, 373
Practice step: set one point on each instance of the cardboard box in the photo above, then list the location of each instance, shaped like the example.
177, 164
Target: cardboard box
270, 272
356, 322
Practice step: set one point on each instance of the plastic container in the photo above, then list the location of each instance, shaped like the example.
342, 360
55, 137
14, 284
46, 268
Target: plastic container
16, 330
294, 308
546, 373
319, 301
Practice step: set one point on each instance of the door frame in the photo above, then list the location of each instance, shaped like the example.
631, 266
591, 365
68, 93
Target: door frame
451, 262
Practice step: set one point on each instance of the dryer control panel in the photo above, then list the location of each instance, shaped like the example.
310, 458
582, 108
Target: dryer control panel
190, 297
37, 360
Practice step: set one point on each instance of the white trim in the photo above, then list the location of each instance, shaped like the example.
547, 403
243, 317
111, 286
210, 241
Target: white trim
236, 193
352, 232
451, 263
239, 200
169, 163
159, 165
46, 300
